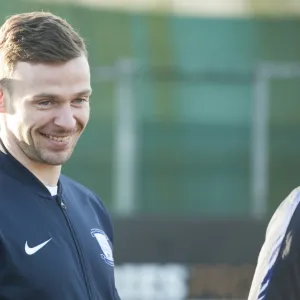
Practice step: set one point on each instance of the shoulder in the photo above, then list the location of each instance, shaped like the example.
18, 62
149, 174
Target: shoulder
69, 185
284, 213
282, 222
86, 199
77, 189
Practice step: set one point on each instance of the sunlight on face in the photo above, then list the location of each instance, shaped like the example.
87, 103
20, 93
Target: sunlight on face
49, 109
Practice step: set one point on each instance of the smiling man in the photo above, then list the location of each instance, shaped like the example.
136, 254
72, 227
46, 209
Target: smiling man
56, 237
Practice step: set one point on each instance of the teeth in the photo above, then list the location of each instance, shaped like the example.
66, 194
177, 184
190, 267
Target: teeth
58, 138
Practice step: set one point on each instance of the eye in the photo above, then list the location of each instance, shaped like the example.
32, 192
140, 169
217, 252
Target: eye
80, 100
45, 103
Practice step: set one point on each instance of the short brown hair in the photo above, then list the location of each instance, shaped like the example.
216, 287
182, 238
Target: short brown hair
38, 37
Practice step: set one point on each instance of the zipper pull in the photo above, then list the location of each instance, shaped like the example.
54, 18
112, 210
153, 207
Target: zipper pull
63, 206
60, 202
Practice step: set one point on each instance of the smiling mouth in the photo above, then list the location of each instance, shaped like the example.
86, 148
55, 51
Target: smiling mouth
57, 138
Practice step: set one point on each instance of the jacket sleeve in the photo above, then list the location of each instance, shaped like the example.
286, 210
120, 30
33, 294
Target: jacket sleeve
277, 274
282, 280
117, 297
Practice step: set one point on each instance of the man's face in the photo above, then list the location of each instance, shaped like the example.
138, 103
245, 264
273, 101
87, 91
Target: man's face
48, 109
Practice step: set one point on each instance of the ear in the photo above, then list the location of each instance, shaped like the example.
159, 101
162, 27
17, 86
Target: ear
2, 106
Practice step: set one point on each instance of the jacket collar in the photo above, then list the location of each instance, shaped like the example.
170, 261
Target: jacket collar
12, 167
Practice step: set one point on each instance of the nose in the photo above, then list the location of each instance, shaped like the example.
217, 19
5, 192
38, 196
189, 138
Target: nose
65, 118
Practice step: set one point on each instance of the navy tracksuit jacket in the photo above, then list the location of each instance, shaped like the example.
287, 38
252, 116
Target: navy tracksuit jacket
277, 274
57, 248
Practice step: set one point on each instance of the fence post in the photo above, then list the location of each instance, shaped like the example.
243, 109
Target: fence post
125, 141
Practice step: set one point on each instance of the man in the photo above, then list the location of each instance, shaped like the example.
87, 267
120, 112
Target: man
277, 275
55, 235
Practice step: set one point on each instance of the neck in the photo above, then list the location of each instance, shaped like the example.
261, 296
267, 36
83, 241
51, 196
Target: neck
47, 174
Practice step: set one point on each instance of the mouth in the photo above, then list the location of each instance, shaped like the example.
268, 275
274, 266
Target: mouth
60, 139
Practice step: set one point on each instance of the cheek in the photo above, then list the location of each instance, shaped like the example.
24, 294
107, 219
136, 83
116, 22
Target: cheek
83, 117
23, 125
15, 123
16, 127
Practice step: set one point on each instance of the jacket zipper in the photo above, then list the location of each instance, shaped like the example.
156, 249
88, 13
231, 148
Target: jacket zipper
78, 248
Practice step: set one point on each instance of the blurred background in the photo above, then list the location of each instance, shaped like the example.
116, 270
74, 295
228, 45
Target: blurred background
194, 134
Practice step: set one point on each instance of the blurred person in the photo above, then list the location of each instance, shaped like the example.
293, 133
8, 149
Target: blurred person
277, 274
55, 235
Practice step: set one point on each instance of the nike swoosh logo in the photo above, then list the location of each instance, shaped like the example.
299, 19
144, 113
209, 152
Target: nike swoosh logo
33, 250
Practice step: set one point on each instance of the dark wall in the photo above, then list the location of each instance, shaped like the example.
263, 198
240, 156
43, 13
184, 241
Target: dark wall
188, 241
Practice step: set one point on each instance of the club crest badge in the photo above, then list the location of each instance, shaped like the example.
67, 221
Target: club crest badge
105, 245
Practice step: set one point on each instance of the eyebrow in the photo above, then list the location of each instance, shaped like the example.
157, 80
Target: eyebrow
87, 92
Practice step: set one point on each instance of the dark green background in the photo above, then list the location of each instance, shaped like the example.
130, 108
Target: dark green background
194, 134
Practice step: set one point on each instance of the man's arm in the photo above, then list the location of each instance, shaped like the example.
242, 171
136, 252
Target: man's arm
277, 274
117, 297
